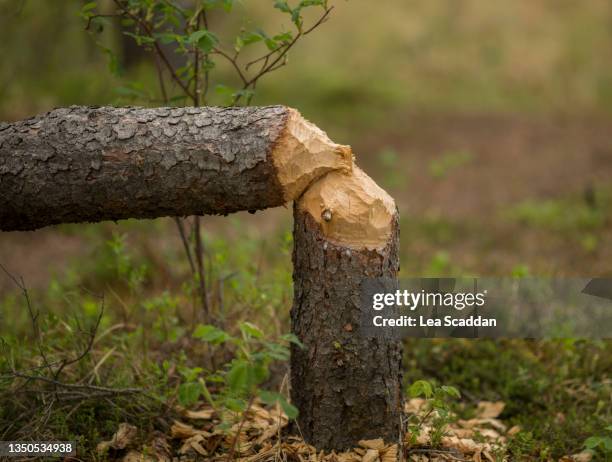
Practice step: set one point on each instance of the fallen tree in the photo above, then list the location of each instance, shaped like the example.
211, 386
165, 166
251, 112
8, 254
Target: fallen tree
86, 164
83, 164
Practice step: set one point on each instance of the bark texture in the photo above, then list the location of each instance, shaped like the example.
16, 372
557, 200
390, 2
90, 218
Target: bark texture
346, 386
84, 164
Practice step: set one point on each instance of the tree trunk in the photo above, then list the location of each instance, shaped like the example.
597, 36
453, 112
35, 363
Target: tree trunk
346, 385
83, 164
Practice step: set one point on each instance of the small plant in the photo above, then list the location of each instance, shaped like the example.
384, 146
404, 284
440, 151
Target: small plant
436, 411
237, 384
601, 445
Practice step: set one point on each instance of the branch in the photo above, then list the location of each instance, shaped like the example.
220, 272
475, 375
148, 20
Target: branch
158, 49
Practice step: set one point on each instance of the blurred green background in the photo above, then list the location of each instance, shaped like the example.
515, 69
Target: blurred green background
490, 123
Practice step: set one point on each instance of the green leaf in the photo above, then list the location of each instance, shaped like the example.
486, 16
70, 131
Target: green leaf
292, 338
593, 442
270, 397
451, 391
421, 388
204, 39
211, 334
251, 330
291, 411
305, 3
282, 6
89, 6
248, 38
141, 39
225, 4
235, 404
189, 393
238, 376
296, 17
206, 393
271, 44
283, 37
167, 38
276, 351
258, 373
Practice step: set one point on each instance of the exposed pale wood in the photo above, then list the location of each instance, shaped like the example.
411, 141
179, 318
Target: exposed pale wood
352, 209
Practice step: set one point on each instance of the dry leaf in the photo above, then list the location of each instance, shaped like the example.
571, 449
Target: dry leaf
370, 456
463, 432
414, 405
161, 448
122, 438
582, 457
489, 409
488, 433
372, 444
182, 431
135, 456
389, 454
203, 414
461, 444
488, 456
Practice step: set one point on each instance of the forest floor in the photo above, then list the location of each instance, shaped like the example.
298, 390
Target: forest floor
485, 195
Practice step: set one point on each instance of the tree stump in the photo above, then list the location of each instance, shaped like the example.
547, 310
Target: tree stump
346, 385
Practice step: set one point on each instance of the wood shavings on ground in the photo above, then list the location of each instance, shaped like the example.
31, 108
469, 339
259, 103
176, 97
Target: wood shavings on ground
263, 436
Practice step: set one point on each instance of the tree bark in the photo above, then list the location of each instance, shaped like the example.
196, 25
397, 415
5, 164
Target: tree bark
346, 385
85, 164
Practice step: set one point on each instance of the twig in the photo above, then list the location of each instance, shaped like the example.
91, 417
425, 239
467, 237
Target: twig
199, 250
181, 228
281, 55
158, 49
33, 315
230, 455
77, 387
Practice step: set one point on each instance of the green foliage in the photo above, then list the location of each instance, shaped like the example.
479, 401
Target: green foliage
437, 407
240, 380
558, 215
556, 391
155, 23
601, 444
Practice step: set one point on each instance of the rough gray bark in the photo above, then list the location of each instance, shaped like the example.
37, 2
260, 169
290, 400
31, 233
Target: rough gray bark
82, 164
346, 386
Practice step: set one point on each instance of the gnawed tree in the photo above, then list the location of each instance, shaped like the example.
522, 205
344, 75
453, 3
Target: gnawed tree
82, 164
85, 164
347, 386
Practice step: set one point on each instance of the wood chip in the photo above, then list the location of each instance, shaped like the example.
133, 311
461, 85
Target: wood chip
490, 409
203, 414
377, 444
371, 455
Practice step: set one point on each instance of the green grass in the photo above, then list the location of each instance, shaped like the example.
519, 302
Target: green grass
558, 392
